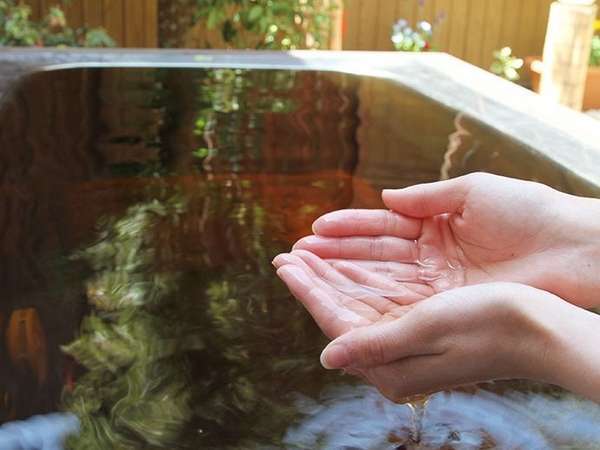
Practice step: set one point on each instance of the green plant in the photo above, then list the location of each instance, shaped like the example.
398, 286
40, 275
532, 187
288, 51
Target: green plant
269, 24
595, 53
18, 29
506, 65
15, 26
405, 39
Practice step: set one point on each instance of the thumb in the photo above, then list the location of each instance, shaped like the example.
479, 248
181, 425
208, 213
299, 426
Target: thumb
370, 346
431, 199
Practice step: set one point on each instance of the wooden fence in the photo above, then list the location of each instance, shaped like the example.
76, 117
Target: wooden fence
131, 23
469, 29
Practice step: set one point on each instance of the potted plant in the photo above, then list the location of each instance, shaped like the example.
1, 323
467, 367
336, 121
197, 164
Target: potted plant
591, 98
506, 65
406, 39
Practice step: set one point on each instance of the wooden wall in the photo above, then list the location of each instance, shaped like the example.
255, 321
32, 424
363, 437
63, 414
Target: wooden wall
132, 23
469, 29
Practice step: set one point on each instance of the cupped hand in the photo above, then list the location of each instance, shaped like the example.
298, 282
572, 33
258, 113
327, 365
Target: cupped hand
458, 337
479, 228
467, 335
337, 303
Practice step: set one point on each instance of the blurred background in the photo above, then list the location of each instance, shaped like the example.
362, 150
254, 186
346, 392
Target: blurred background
468, 29
507, 37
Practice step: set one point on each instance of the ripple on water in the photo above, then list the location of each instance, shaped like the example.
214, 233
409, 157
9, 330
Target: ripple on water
349, 417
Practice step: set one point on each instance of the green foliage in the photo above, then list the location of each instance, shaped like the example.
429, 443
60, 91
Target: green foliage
18, 29
506, 65
97, 37
269, 24
595, 53
406, 39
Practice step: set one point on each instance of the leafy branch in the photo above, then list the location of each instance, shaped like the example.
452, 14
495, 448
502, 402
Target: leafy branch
17, 28
269, 24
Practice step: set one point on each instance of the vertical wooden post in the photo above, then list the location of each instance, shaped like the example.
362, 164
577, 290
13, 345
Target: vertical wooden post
151, 24
337, 17
567, 51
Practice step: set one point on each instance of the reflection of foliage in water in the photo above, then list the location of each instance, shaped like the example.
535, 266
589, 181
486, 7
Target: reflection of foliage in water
192, 340
182, 339
134, 389
258, 344
233, 103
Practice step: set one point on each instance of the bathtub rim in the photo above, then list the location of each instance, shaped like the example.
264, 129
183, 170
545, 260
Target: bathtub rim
568, 138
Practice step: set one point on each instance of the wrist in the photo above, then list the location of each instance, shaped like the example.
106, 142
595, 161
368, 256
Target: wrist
569, 355
580, 224
535, 331
583, 217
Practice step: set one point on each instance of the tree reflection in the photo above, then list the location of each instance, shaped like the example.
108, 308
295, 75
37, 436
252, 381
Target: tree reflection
232, 105
191, 339
134, 390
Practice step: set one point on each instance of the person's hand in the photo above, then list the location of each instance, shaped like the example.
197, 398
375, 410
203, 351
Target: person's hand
337, 304
475, 229
473, 334
462, 336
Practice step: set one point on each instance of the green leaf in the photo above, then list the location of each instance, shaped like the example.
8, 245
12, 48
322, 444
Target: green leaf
259, 17
201, 153
214, 17
517, 63
496, 68
511, 74
255, 13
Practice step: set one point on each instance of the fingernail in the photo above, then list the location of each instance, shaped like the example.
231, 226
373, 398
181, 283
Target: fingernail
308, 240
317, 224
335, 357
280, 260
387, 192
287, 272
327, 220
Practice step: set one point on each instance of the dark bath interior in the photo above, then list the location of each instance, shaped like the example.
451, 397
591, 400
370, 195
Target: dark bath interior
139, 213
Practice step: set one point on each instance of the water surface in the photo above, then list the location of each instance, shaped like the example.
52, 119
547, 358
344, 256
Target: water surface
140, 211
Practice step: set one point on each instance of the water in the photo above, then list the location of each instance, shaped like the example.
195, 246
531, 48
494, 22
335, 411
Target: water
140, 212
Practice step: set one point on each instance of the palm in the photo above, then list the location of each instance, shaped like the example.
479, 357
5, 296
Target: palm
337, 303
492, 234
340, 305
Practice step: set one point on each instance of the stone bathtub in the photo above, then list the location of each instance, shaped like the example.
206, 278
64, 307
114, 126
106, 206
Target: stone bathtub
144, 194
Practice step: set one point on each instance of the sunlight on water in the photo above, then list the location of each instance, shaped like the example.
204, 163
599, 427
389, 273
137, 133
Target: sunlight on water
351, 417
38, 433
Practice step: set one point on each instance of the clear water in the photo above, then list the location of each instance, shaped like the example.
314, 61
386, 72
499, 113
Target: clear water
140, 211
